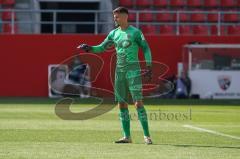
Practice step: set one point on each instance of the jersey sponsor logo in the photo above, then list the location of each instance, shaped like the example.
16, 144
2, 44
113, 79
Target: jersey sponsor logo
124, 43
224, 82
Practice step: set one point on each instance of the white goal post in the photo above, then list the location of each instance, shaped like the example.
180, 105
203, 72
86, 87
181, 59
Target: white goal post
214, 70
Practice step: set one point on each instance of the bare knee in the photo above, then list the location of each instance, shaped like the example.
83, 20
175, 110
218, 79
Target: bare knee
122, 105
138, 104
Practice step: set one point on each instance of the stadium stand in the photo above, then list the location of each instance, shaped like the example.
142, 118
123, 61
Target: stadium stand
7, 28
167, 30
200, 30
228, 3
198, 16
149, 29
238, 3
195, 3
164, 17
177, 3
184, 17
189, 12
132, 17
146, 16
211, 3
8, 2
214, 30
126, 3
143, 4
185, 30
232, 16
212, 16
8, 16
160, 3
233, 30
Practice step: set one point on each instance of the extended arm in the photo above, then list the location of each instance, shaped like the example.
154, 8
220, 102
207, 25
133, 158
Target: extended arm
98, 48
103, 46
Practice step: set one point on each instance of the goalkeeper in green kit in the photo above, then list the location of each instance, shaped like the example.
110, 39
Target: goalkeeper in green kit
127, 40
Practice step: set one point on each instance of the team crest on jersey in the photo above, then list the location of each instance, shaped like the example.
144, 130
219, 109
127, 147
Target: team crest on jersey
224, 82
125, 43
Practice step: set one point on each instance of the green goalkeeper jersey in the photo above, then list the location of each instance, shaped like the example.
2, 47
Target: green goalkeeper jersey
127, 43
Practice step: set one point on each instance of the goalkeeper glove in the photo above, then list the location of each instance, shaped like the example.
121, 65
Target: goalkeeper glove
84, 47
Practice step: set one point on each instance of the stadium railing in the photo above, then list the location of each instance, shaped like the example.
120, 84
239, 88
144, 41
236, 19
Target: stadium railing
172, 22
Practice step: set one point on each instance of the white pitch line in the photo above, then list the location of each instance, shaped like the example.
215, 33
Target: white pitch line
211, 131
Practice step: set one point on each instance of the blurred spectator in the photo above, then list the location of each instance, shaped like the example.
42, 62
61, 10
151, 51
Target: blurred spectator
188, 84
58, 76
169, 87
183, 86
79, 74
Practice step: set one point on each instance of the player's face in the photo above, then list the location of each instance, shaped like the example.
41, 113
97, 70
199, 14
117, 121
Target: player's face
120, 19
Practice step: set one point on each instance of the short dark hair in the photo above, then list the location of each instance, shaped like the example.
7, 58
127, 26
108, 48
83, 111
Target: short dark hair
120, 10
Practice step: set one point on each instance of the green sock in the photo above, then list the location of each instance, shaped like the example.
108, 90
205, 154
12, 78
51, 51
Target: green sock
142, 116
125, 120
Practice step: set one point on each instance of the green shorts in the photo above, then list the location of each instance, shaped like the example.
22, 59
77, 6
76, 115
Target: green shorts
125, 82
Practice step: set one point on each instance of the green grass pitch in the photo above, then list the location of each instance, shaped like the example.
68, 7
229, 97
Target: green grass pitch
29, 129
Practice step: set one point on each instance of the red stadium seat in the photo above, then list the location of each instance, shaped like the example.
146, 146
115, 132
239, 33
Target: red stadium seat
160, 3
238, 3
7, 15
211, 3
200, 30
185, 30
231, 16
164, 16
132, 17
183, 17
233, 30
178, 3
146, 17
195, 3
214, 30
8, 2
7, 28
126, 3
212, 16
228, 3
198, 17
167, 30
149, 29
143, 3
